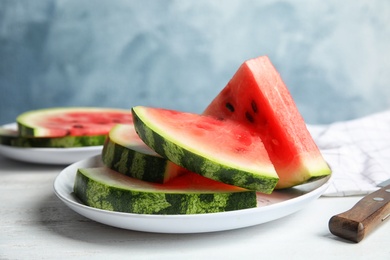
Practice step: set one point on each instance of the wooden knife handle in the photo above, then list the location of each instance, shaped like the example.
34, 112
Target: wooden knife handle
371, 211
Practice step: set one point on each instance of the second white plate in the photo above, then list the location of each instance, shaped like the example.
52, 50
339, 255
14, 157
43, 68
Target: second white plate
59, 156
270, 207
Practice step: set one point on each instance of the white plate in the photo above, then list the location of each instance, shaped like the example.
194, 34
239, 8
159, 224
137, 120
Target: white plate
60, 156
270, 207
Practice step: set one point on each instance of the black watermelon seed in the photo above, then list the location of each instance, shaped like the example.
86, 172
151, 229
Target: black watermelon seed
254, 106
78, 126
230, 107
249, 117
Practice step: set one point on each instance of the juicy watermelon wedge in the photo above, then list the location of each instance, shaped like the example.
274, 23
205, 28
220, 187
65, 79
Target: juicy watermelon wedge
220, 150
256, 96
189, 193
126, 153
75, 121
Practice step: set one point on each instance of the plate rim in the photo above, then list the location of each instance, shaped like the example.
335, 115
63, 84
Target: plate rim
51, 149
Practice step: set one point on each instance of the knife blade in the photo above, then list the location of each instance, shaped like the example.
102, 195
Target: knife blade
366, 215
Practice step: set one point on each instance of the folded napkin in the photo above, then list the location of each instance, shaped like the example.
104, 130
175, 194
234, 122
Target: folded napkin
358, 152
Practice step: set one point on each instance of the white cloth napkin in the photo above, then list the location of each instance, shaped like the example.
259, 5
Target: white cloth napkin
358, 152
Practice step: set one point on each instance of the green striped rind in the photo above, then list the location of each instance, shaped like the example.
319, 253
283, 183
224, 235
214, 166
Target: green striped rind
25, 130
200, 164
13, 139
93, 189
124, 156
7, 135
59, 142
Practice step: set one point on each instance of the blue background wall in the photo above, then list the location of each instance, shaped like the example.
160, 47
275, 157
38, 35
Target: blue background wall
333, 55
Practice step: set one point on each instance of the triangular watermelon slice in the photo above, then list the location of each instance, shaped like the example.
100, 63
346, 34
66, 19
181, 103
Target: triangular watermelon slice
220, 150
256, 96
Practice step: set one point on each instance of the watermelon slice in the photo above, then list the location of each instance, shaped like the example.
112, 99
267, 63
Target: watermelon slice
10, 136
75, 121
7, 135
220, 150
256, 96
124, 152
189, 193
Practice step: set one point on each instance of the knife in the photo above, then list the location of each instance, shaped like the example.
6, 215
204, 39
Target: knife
367, 214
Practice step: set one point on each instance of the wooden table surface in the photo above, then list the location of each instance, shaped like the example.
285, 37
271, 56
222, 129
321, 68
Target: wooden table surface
35, 224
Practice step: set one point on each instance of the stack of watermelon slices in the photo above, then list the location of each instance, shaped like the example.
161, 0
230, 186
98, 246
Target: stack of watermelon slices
251, 138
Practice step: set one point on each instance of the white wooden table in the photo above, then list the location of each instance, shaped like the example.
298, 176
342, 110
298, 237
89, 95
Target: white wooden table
35, 224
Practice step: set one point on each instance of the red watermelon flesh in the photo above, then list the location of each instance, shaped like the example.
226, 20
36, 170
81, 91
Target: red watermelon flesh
257, 96
76, 121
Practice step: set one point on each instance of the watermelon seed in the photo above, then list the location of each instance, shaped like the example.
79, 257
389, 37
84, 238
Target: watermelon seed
254, 106
249, 117
78, 126
230, 107
240, 150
